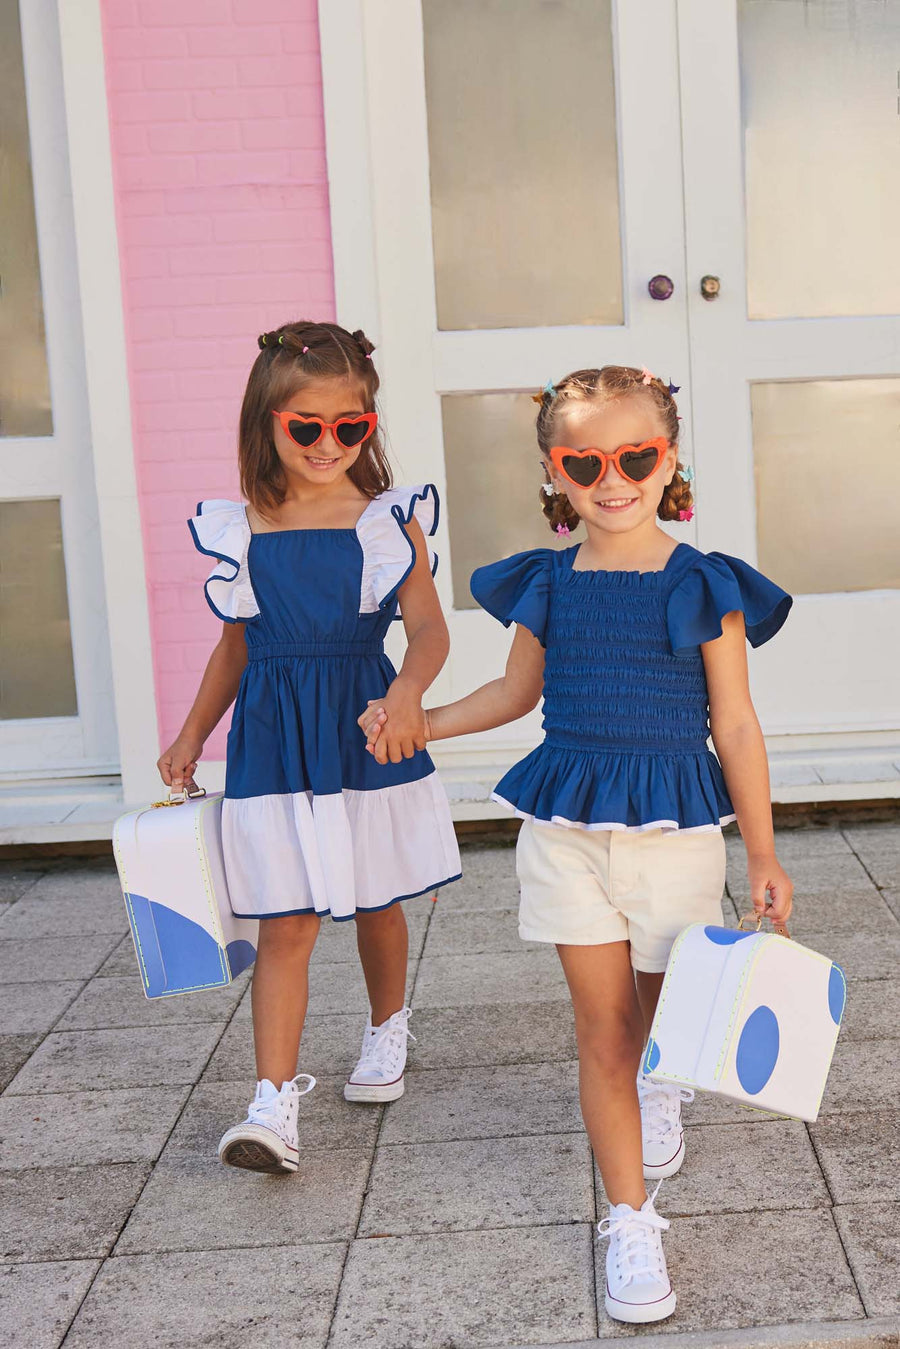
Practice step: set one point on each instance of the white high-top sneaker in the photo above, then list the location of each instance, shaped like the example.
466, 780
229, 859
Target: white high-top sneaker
378, 1076
267, 1139
661, 1129
637, 1282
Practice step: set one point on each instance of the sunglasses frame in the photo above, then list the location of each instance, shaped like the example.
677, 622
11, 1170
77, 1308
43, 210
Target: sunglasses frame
559, 452
370, 418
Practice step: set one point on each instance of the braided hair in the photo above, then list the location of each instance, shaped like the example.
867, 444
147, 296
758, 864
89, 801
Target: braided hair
289, 358
607, 385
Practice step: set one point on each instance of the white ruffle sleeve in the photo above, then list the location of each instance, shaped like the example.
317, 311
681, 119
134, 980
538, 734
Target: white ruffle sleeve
220, 529
388, 551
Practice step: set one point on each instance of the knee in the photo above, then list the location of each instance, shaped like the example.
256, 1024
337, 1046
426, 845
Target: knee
611, 1045
292, 937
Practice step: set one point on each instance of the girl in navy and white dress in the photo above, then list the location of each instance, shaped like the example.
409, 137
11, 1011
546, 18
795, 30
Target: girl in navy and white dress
637, 644
308, 576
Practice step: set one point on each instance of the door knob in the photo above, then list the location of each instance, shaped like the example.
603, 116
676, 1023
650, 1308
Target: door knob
661, 287
710, 287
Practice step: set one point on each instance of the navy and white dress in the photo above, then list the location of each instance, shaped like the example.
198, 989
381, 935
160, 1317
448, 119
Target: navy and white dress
310, 821
626, 706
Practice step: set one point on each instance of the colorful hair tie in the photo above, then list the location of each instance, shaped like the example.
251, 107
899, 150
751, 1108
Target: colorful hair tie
261, 341
305, 350
674, 388
687, 473
548, 391
564, 530
281, 339
647, 376
686, 515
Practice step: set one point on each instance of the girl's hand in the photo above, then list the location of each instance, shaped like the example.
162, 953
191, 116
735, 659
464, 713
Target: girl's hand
768, 877
372, 721
400, 724
178, 764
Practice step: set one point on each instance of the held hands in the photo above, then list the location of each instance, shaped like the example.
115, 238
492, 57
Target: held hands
771, 889
395, 726
178, 764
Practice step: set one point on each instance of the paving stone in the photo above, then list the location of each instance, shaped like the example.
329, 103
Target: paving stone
474, 932
37, 1302
342, 988
120, 1002
65, 1212
330, 1045
336, 942
878, 847
17, 878
750, 1269
863, 1072
862, 955
325, 1119
122, 961
707, 1108
892, 900
39, 959
872, 1011
35, 1007
858, 910
90, 1060
501, 977
860, 1156
58, 914
527, 1286
743, 1168
87, 1128
194, 1203
508, 1182
514, 1032
230, 1299
871, 1237
496, 1102
488, 881
14, 1051
815, 878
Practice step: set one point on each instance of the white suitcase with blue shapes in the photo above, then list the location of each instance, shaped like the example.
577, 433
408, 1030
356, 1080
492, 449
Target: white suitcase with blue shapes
173, 879
752, 1016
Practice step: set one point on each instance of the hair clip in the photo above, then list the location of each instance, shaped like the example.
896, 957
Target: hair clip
281, 339
563, 530
674, 388
261, 341
647, 376
687, 473
686, 515
305, 350
548, 489
548, 391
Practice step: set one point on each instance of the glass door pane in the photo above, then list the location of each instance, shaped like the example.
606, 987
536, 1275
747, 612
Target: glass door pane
821, 119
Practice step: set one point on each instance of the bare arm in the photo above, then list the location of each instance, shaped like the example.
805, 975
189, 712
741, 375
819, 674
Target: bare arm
218, 690
742, 753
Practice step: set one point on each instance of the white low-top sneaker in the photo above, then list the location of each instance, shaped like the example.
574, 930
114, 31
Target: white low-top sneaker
661, 1128
637, 1282
378, 1076
267, 1139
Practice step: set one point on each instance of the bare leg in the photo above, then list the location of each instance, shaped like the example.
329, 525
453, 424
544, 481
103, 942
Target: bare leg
280, 992
648, 987
383, 942
609, 1032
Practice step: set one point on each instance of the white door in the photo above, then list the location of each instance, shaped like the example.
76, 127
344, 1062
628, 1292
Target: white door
56, 709
791, 127
506, 180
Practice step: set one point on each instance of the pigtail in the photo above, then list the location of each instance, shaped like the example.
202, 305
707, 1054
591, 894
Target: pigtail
677, 498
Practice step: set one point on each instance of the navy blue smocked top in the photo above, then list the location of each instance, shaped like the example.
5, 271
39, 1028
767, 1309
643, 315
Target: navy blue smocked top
626, 706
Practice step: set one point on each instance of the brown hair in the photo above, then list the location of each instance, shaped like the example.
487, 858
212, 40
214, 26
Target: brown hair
601, 386
289, 357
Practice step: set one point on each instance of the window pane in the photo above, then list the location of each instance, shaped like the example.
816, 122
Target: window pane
24, 381
494, 476
822, 144
524, 169
827, 458
37, 678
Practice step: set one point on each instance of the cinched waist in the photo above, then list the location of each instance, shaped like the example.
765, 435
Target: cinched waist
279, 650
581, 744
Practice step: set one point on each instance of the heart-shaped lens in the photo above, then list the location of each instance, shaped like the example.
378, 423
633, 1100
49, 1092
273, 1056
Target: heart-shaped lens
639, 464
304, 433
583, 471
351, 433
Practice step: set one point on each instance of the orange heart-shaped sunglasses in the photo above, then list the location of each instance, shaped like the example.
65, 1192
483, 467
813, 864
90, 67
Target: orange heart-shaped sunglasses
585, 468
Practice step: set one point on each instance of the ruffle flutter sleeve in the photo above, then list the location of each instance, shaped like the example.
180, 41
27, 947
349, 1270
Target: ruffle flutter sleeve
388, 550
716, 585
517, 590
220, 530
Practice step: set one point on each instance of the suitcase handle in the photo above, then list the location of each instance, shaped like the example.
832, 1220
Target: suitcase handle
178, 798
779, 928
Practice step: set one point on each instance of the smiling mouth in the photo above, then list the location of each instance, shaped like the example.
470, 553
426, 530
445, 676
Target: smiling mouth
315, 462
616, 503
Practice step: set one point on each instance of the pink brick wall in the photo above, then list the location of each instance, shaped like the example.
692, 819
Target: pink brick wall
222, 199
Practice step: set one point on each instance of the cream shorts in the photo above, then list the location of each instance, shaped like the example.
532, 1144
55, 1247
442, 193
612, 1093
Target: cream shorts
584, 887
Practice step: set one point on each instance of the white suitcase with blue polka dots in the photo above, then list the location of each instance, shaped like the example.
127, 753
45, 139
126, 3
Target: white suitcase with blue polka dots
172, 872
752, 1016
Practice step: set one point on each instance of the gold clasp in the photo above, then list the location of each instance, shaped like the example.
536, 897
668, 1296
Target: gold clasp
780, 929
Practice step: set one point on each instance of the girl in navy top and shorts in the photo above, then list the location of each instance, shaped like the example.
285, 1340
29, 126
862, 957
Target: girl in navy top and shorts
637, 644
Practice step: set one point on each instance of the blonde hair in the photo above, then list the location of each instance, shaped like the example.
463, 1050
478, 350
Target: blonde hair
606, 385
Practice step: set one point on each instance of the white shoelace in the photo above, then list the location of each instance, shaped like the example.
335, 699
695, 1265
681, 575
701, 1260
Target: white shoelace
661, 1108
638, 1254
275, 1109
386, 1041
